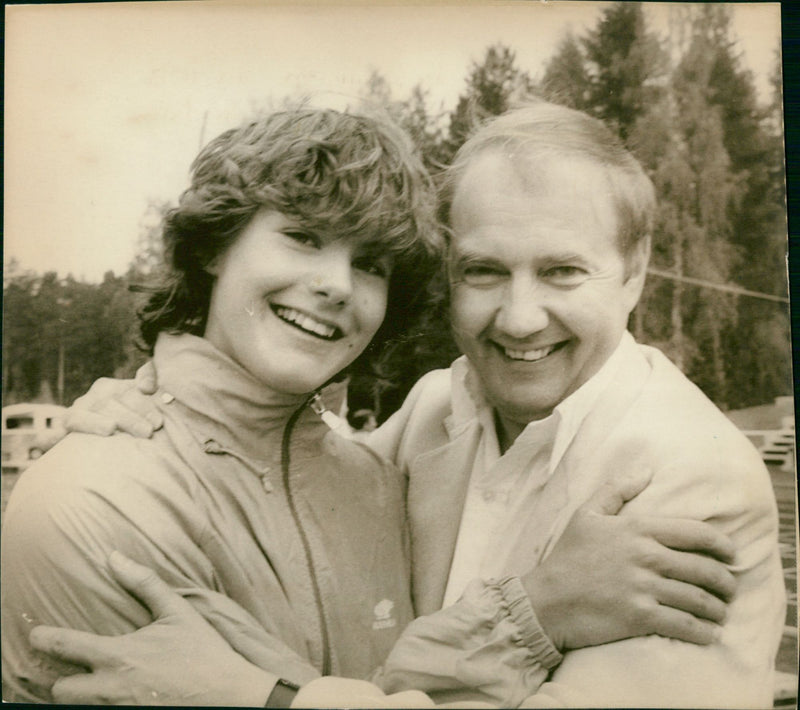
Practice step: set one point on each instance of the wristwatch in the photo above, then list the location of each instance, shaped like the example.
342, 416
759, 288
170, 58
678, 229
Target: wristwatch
282, 694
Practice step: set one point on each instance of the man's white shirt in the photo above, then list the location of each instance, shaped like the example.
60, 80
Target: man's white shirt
503, 488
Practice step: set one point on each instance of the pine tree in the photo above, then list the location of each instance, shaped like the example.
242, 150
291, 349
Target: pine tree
626, 66
680, 140
566, 79
493, 86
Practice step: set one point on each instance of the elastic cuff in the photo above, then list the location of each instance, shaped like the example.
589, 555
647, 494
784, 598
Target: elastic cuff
522, 614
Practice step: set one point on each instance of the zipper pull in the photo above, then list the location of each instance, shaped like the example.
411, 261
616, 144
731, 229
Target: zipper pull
334, 422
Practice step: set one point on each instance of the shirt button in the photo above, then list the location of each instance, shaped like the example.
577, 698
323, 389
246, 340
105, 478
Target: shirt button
488, 496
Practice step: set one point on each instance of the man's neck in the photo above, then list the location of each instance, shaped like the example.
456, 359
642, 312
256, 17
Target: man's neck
507, 431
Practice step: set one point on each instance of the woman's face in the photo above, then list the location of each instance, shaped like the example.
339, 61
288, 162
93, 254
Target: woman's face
292, 307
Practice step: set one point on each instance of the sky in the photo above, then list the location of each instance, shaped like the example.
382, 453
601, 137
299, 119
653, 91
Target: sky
106, 104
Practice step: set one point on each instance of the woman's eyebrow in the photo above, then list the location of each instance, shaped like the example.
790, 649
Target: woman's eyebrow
374, 247
288, 222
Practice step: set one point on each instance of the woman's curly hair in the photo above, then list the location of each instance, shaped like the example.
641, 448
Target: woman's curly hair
336, 173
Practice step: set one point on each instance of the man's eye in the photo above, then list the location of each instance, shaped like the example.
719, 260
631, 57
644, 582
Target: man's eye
302, 238
481, 274
566, 274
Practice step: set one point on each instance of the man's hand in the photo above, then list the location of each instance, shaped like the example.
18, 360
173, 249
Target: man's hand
179, 659
118, 405
611, 577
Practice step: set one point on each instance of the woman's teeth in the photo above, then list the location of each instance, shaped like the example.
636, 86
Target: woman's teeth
304, 322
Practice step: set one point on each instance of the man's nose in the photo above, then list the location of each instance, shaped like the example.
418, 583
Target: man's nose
332, 278
523, 311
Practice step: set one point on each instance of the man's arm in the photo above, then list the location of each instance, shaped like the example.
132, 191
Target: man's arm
733, 494
184, 685
51, 574
180, 659
608, 578
113, 405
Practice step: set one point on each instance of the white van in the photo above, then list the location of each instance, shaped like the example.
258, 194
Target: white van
28, 431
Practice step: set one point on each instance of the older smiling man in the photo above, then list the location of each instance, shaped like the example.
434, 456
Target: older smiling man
550, 241
553, 399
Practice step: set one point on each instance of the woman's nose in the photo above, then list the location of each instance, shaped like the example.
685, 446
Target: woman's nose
333, 277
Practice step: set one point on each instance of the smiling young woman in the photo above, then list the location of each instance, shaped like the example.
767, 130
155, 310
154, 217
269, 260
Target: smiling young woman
298, 234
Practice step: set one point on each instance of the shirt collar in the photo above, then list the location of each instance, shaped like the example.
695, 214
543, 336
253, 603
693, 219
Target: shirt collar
575, 408
469, 403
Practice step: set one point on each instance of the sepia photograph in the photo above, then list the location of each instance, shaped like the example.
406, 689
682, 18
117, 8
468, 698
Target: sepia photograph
397, 354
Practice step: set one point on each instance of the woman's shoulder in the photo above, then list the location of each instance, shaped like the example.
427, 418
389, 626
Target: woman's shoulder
79, 458
84, 471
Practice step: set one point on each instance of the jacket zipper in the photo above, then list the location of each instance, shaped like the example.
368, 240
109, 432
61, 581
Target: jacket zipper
285, 466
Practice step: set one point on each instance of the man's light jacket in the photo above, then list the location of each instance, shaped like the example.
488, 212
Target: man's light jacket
648, 418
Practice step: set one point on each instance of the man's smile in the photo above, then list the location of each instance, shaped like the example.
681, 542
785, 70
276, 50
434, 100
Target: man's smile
529, 354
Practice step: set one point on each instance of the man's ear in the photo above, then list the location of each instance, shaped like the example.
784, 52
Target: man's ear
636, 270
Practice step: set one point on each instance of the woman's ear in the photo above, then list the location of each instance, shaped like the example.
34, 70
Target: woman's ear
212, 267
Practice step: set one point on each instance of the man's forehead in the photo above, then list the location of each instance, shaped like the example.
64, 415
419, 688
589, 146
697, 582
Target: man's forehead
530, 171
562, 195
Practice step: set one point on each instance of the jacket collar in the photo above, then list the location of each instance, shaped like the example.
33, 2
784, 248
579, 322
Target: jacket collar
224, 402
437, 490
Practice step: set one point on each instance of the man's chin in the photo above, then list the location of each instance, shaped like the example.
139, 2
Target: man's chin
524, 410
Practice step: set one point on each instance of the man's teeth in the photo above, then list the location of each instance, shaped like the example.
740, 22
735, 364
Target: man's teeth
529, 355
301, 320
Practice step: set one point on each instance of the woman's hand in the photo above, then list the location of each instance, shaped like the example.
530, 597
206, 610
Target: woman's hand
612, 577
118, 405
179, 659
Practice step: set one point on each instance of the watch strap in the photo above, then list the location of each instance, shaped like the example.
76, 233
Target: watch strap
282, 694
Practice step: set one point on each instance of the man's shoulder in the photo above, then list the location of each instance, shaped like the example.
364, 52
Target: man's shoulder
354, 454
419, 423
429, 404
694, 451
675, 411
433, 391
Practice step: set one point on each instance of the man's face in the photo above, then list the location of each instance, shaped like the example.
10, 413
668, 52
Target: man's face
539, 289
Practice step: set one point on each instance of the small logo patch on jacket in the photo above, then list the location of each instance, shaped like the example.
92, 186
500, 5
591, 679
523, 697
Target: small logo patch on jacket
383, 615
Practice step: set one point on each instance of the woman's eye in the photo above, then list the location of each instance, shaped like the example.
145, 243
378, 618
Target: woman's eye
303, 238
373, 265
